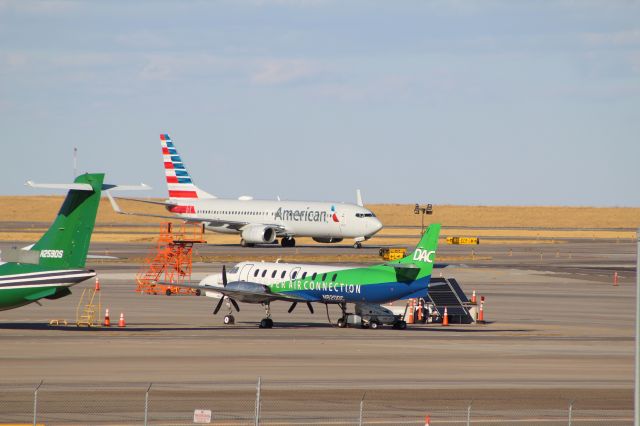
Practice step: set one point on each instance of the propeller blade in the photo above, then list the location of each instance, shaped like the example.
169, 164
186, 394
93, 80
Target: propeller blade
218, 306
310, 306
235, 304
293, 306
224, 276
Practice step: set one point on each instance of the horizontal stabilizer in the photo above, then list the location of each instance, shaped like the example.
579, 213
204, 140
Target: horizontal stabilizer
87, 187
66, 186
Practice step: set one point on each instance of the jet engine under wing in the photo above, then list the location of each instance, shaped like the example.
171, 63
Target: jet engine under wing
243, 291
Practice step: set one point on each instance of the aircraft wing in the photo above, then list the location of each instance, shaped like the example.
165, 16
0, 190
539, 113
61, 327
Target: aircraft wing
252, 293
230, 224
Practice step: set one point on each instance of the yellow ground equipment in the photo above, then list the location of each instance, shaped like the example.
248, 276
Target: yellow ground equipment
392, 253
170, 260
88, 309
463, 240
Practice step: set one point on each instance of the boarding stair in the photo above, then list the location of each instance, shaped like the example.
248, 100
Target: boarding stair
446, 292
170, 260
88, 310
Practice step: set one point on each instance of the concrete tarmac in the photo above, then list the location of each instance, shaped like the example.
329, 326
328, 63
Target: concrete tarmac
555, 322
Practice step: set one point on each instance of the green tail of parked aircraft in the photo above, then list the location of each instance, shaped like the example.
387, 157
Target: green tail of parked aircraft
366, 287
57, 260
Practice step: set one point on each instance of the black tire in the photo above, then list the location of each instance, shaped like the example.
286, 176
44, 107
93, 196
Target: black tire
228, 319
168, 292
375, 325
266, 323
342, 323
292, 242
198, 292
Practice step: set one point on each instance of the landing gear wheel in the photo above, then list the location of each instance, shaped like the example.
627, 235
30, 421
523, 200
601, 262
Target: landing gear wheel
288, 242
375, 325
198, 293
266, 323
168, 292
229, 319
342, 323
400, 325
357, 245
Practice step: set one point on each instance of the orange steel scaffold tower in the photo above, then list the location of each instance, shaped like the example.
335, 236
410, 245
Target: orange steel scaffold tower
170, 260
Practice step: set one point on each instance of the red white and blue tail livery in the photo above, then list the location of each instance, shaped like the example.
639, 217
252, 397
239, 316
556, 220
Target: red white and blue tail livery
178, 179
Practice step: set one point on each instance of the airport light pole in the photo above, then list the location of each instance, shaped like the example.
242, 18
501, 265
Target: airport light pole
636, 395
75, 162
428, 209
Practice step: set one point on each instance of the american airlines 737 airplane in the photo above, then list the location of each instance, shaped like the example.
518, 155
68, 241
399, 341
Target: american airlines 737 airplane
261, 221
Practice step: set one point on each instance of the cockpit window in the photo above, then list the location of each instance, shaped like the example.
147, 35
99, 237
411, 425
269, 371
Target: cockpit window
365, 215
283, 274
255, 274
233, 270
273, 275
294, 275
264, 273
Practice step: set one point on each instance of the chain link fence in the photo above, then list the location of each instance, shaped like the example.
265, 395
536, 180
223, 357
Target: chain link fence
267, 404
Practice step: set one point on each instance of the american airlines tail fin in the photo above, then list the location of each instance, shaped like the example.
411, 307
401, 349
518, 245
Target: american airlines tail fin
179, 181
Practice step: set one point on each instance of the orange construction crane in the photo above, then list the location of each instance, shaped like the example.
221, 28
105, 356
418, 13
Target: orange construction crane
170, 260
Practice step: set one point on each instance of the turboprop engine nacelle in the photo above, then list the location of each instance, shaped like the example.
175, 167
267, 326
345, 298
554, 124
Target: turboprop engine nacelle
258, 234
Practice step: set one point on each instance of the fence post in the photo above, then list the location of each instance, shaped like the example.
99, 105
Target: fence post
35, 403
258, 401
469, 412
361, 409
570, 411
146, 404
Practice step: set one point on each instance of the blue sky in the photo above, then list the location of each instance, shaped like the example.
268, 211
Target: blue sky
461, 102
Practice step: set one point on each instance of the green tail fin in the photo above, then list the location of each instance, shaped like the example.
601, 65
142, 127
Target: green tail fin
425, 253
66, 243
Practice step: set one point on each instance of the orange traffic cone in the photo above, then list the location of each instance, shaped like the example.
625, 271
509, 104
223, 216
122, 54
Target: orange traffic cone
97, 284
427, 420
420, 313
107, 320
411, 318
121, 323
615, 279
481, 312
445, 317
473, 297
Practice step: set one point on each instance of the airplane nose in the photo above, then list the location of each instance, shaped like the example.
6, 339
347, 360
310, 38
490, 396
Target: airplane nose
376, 225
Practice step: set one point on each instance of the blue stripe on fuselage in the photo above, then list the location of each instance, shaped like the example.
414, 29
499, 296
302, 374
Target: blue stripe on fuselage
370, 293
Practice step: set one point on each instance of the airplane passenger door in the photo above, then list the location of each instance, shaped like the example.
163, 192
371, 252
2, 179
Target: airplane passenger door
244, 272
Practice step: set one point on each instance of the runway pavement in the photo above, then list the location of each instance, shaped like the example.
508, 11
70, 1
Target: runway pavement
556, 323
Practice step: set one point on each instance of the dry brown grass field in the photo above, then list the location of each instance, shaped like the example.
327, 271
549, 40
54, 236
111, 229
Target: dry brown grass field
32, 212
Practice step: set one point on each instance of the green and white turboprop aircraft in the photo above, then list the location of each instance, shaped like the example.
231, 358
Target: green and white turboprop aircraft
366, 287
56, 262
